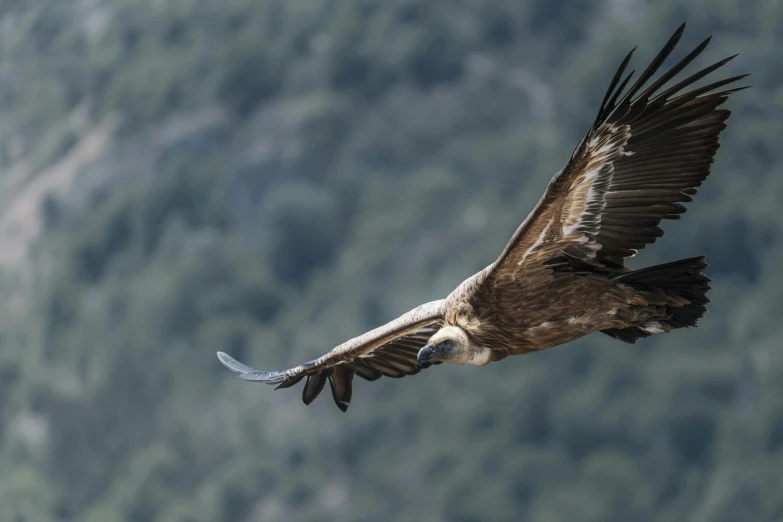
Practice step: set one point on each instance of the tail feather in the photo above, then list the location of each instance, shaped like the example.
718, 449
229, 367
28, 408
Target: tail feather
685, 288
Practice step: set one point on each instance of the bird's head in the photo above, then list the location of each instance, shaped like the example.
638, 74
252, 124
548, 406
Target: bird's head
451, 344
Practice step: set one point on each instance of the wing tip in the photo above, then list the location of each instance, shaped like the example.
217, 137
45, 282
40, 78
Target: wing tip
248, 373
229, 362
675, 38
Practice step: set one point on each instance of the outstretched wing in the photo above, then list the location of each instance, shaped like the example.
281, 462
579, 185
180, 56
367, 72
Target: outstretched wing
645, 154
388, 350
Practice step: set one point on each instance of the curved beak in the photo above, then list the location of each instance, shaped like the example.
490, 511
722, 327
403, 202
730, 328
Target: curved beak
425, 355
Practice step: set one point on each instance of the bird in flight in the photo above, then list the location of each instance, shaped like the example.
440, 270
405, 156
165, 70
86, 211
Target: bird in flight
562, 274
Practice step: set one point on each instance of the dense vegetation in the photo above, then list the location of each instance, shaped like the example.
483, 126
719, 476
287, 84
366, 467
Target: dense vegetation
270, 177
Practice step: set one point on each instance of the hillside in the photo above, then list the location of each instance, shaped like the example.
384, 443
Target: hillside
269, 178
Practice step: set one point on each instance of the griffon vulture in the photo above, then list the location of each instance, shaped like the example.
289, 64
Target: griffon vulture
562, 275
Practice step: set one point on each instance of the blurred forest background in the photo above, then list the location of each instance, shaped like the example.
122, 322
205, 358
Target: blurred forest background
272, 177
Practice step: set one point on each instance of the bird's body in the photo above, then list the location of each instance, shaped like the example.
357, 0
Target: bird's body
573, 306
562, 274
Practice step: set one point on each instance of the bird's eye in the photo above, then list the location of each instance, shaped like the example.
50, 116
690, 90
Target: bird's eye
446, 344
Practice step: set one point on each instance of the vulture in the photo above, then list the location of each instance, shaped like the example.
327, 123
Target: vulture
562, 274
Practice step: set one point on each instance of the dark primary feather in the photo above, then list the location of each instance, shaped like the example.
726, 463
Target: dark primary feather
658, 60
673, 140
340, 382
313, 386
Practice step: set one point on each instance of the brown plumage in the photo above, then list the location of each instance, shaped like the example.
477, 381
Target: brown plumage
562, 275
